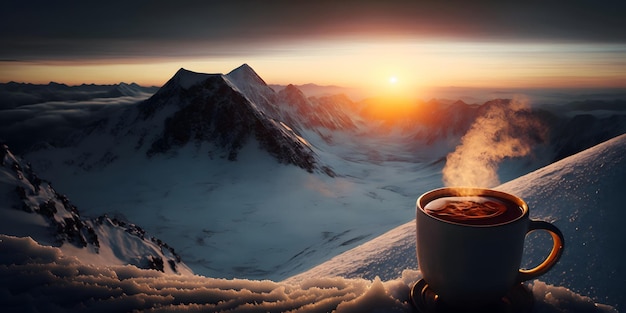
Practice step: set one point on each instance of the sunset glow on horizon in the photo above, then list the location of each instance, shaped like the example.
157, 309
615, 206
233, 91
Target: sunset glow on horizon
351, 44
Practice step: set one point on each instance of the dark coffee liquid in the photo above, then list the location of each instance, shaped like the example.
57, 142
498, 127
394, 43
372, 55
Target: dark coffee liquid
474, 210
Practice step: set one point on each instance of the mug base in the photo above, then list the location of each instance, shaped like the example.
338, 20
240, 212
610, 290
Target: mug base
518, 300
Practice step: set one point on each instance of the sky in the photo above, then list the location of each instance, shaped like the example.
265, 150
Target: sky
406, 45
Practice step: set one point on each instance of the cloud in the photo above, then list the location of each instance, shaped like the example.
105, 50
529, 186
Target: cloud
23, 126
38, 29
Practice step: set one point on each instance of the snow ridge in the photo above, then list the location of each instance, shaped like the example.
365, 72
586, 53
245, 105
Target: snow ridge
186, 78
33, 208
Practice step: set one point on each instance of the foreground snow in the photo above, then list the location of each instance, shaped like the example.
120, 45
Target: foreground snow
579, 194
39, 278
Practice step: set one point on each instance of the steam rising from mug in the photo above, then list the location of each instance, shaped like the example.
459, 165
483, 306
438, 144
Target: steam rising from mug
507, 129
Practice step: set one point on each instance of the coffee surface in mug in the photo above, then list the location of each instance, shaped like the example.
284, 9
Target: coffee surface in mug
474, 210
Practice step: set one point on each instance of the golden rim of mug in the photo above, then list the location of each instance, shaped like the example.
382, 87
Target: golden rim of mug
460, 191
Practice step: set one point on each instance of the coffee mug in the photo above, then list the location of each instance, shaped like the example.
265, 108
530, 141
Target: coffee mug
470, 244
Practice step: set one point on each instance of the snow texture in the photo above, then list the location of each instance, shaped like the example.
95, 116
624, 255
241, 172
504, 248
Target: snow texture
37, 278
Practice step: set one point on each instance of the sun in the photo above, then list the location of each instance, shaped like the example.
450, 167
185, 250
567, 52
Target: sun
393, 80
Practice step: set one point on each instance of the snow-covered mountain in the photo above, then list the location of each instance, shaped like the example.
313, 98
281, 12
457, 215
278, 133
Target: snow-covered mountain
224, 110
32, 207
584, 126
318, 91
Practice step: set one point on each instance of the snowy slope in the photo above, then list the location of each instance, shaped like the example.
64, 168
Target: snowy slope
246, 81
31, 207
43, 278
581, 195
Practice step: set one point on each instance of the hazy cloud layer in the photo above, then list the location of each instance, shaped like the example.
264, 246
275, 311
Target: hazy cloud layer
54, 121
35, 29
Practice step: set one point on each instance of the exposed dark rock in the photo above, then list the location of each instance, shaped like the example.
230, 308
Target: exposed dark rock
212, 111
64, 219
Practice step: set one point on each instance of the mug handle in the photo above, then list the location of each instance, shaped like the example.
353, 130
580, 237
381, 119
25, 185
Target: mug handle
557, 249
